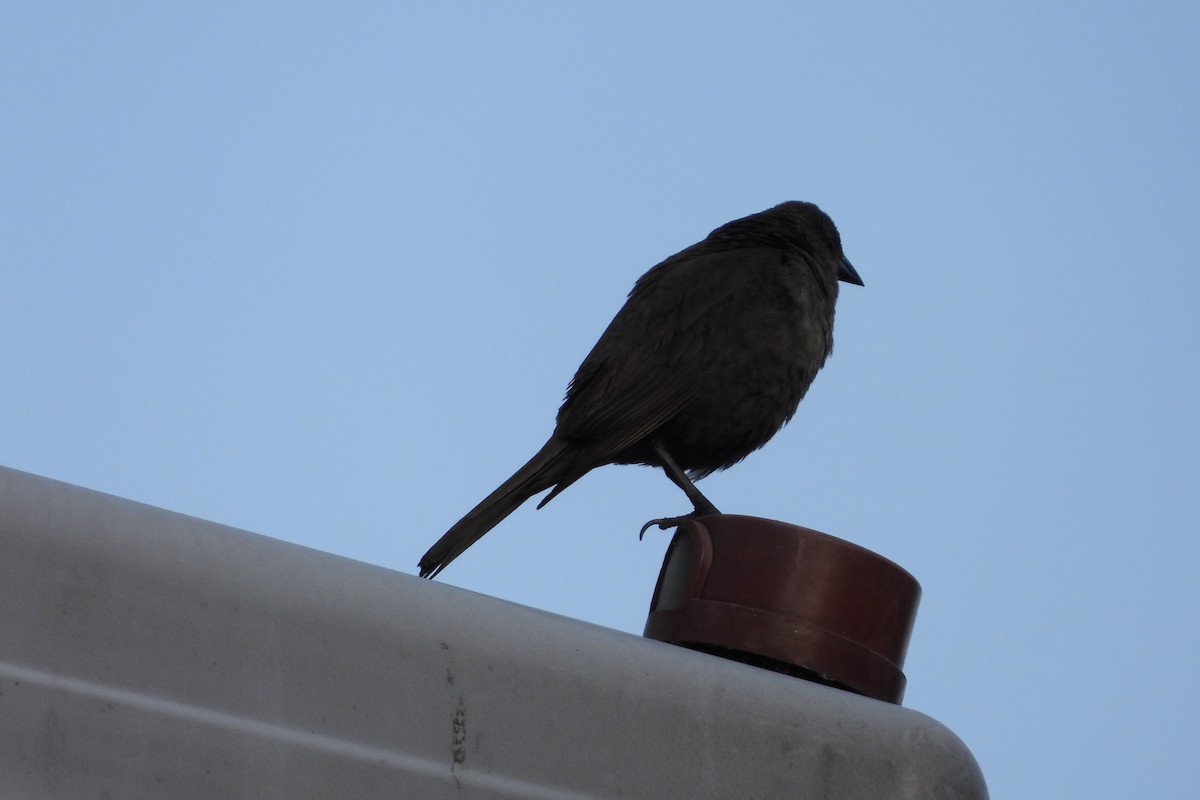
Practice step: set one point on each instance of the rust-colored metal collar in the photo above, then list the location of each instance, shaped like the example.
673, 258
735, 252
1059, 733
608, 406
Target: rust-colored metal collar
787, 598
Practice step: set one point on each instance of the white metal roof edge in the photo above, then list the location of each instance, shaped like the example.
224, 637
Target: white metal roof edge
149, 654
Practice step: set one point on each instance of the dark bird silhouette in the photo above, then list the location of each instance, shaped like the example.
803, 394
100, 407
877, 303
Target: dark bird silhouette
706, 361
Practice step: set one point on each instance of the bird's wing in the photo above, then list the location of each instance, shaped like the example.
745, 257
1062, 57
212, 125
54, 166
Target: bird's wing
650, 361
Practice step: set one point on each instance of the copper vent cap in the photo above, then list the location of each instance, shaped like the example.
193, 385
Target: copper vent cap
789, 599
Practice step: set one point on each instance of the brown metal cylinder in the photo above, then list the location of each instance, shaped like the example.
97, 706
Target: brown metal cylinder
789, 599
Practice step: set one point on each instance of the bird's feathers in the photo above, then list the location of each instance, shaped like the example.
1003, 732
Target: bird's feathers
707, 359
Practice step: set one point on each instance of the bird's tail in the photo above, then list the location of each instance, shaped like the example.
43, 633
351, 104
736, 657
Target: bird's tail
540, 472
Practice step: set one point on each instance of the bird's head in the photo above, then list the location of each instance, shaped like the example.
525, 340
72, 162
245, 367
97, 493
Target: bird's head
812, 229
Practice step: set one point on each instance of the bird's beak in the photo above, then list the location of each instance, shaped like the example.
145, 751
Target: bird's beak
847, 273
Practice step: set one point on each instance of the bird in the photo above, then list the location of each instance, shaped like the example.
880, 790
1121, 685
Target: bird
708, 358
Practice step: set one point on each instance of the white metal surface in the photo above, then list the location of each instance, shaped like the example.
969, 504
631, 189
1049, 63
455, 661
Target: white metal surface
146, 654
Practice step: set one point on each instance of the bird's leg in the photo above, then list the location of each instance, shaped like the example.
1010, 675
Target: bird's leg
680, 479
702, 504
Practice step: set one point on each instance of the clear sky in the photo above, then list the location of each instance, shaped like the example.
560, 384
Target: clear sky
323, 272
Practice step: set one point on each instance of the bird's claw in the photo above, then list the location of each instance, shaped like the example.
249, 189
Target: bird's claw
665, 523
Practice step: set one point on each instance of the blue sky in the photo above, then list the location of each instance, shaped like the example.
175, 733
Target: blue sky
323, 272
